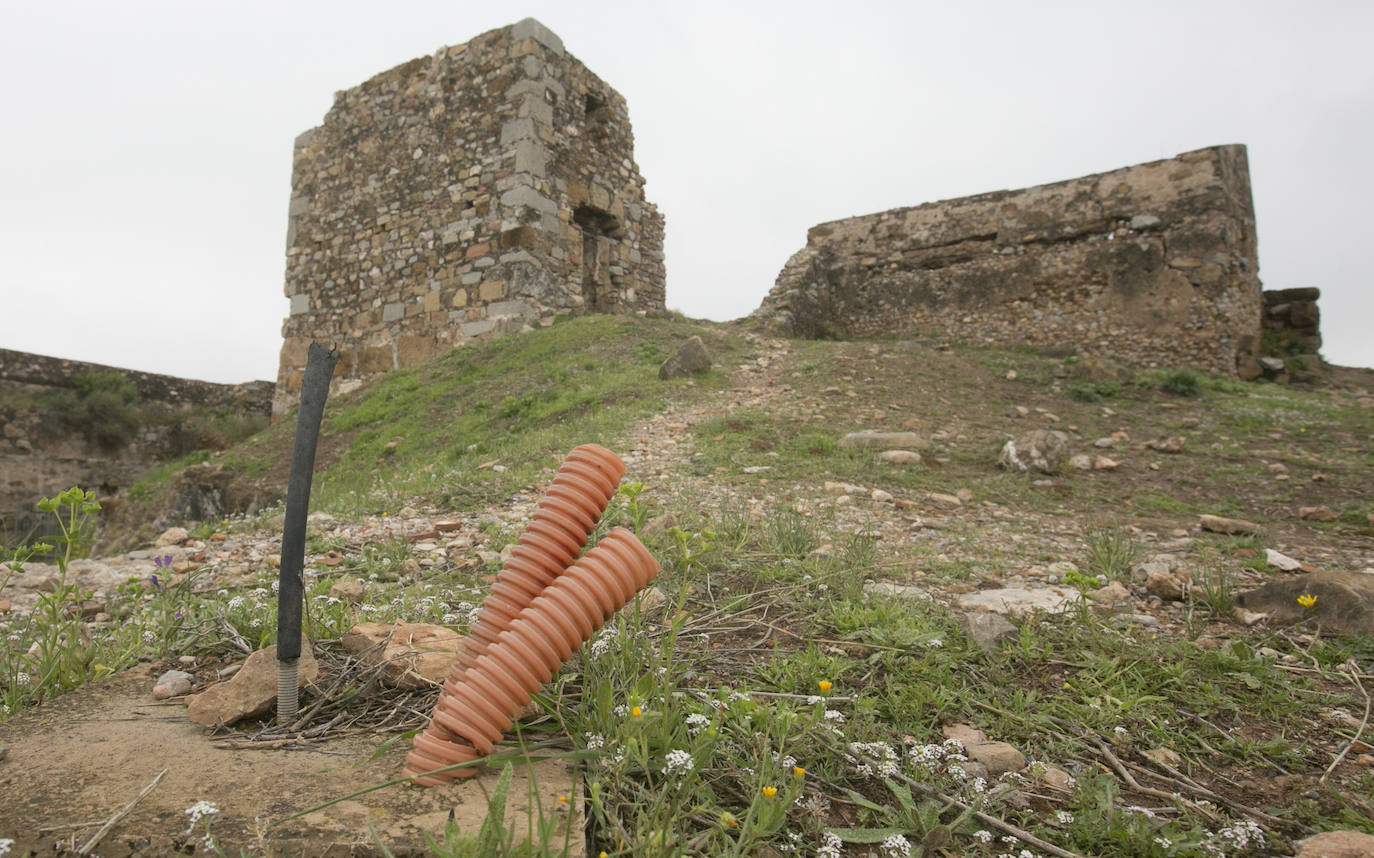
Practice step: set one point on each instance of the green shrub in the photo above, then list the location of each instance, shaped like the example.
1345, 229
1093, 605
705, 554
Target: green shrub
1182, 382
1092, 391
100, 406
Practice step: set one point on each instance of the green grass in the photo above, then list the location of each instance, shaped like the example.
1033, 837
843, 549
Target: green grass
774, 705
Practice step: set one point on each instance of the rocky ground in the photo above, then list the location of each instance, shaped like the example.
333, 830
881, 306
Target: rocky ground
948, 535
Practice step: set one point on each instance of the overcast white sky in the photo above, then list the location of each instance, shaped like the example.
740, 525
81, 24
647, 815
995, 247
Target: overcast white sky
145, 156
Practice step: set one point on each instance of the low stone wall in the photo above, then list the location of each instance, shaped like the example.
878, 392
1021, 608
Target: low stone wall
40, 456
41, 371
1153, 264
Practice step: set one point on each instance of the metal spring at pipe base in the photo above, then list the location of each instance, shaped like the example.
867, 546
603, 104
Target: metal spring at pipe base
478, 703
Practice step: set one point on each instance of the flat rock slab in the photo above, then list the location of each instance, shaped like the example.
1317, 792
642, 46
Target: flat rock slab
1233, 526
884, 441
417, 655
1343, 606
82, 756
1010, 601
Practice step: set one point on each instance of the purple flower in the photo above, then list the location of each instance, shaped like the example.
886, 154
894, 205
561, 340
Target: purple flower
157, 561
152, 579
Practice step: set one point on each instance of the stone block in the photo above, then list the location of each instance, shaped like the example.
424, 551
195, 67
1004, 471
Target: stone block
518, 309
300, 304
477, 328
517, 129
529, 28
524, 196
375, 359
411, 350
493, 290
523, 236
294, 351
393, 312
530, 155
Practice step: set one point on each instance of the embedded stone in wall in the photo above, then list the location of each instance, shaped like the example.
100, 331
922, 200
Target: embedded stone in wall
1155, 264
476, 192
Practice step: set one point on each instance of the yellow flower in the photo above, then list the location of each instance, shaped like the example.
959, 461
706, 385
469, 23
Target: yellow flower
728, 820
824, 685
769, 792
635, 712
1307, 600
563, 799
799, 771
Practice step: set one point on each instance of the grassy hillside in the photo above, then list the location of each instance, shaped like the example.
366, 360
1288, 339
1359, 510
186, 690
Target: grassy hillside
793, 693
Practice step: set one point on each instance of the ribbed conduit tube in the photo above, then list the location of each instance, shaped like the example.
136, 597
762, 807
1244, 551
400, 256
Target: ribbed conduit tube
563, 520
476, 706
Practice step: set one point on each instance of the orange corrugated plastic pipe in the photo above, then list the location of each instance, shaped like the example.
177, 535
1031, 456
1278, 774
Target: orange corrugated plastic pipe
563, 520
476, 706
542, 608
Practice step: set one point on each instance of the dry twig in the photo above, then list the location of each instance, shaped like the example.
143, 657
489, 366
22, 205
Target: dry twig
1353, 672
123, 811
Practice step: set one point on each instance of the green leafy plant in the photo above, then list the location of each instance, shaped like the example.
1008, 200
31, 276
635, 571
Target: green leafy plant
1111, 552
1181, 382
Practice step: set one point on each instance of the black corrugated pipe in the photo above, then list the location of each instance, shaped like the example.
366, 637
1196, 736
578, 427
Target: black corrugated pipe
319, 369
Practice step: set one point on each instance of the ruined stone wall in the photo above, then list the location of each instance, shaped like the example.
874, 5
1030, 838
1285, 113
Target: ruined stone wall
40, 455
480, 191
1154, 264
1293, 321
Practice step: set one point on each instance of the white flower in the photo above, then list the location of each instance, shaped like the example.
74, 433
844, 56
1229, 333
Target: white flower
199, 811
896, 846
926, 756
1163, 842
834, 717
5, 846
276, 585
22, 678
594, 741
1064, 817
696, 722
677, 762
149, 637
449, 619
983, 835
599, 647
935, 643
830, 846
235, 603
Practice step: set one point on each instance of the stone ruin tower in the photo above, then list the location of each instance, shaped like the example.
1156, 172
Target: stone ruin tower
484, 190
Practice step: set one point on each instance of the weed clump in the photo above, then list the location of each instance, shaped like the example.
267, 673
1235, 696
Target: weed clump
1093, 391
1182, 382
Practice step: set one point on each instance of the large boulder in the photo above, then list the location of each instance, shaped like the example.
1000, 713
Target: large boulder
1341, 603
691, 359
